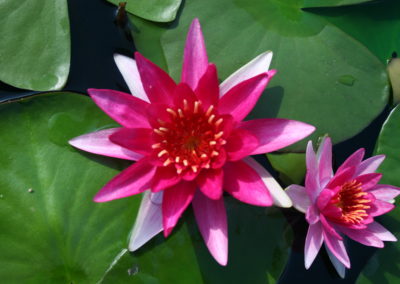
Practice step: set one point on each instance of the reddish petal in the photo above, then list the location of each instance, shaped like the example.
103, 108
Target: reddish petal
210, 183
243, 183
133, 180
183, 92
157, 113
337, 248
364, 237
275, 133
313, 244
324, 156
370, 165
207, 90
369, 180
176, 199
385, 192
195, 59
158, 85
341, 177
99, 143
165, 177
241, 143
325, 197
241, 99
329, 228
379, 207
353, 161
125, 109
135, 139
211, 219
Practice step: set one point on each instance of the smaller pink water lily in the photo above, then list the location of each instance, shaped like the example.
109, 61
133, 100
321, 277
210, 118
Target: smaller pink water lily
340, 204
190, 142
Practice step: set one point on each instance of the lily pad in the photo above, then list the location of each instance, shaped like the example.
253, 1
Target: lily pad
153, 10
384, 266
35, 44
324, 78
331, 3
291, 167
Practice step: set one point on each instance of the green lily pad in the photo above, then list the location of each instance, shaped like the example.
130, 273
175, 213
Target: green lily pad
331, 3
291, 167
384, 266
259, 239
324, 78
394, 75
153, 10
35, 44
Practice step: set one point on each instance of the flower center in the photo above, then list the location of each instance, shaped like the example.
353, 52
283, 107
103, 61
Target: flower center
351, 199
191, 139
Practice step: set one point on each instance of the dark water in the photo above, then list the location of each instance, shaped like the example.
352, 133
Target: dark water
95, 38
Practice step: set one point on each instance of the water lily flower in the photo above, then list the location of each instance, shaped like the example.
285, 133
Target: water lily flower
342, 204
190, 142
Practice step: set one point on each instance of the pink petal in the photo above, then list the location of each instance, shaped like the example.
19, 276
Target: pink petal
340, 268
242, 98
369, 180
312, 215
353, 161
370, 165
125, 109
241, 143
312, 184
195, 59
148, 221
158, 85
364, 237
324, 156
164, 177
379, 207
133, 180
341, 177
325, 197
244, 183
275, 133
135, 139
337, 248
381, 232
313, 244
299, 197
99, 143
176, 199
255, 67
211, 219
328, 228
128, 68
210, 183
207, 90
279, 196
385, 192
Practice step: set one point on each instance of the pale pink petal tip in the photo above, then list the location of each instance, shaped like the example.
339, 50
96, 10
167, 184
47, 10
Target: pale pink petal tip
148, 221
340, 268
299, 197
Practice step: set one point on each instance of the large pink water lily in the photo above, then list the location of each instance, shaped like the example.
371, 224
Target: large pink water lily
342, 204
190, 142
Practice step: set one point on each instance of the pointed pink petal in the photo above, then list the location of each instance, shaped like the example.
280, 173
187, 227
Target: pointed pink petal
184, 92
363, 236
337, 248
195, 59
340, 268
240, 143
299, 197
148, 221
312, 215
312, 184
255, 67
133, 180
385, 192
329, 228
244, 183
128, 68
210, 183
99, 143
279, 196
275, 133
176, 199
325, 197
324, 156
135, 139
207, 90
370, 165
242, 98
313, 244
341, 177
381, 232
211, 219
158, 85
369, 180
164, 177
379, 207
125, 109
353, 161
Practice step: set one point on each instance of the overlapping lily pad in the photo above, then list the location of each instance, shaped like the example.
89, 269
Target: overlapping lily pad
153, 10
324, 77
384, 266
331, 3
35, 44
